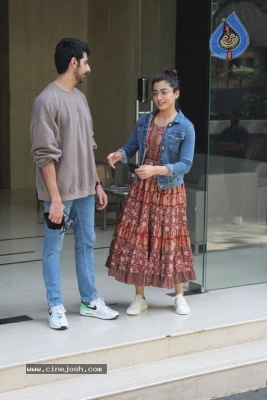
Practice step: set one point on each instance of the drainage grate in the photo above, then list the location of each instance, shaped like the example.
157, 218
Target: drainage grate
186, 293
12, 320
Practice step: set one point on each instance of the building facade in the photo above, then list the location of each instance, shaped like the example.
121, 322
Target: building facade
130, 39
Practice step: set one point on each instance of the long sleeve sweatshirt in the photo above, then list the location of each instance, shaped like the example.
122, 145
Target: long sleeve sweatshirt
62, 133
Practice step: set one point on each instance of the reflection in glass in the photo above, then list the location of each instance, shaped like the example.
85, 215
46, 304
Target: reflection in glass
237, 162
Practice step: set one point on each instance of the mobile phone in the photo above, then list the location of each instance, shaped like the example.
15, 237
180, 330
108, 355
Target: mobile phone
52, 225
65, 223
132, 167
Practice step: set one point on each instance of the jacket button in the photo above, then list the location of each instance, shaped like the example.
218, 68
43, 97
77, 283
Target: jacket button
162, 148
160, 186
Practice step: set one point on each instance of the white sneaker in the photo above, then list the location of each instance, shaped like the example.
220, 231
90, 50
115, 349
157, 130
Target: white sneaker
237, 220
56, 318
180, 305
97, 308
138, 305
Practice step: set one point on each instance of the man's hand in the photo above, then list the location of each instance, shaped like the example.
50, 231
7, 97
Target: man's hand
102, 198
56, 212
56, 207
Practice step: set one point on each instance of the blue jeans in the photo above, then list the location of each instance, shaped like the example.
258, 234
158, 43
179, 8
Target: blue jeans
82, 211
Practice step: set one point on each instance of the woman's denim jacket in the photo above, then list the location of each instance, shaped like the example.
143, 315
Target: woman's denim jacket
176, 152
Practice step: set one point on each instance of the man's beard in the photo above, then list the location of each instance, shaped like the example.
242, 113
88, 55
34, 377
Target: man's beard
79, 77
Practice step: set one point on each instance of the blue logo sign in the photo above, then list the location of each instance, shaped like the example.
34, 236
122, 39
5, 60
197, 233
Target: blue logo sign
230, 39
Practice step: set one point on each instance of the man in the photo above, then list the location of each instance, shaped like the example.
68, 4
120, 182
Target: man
234, 139
67, 180
233, 142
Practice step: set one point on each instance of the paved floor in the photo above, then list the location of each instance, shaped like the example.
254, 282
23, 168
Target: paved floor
260, 394
21, 236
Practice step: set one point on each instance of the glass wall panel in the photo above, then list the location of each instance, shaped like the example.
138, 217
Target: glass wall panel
237, 162
193, 66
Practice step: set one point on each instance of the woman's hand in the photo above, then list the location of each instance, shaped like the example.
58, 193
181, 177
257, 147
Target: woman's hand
112, 158
145, 171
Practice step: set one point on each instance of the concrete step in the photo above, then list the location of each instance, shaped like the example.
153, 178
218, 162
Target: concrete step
135, 355
198, 376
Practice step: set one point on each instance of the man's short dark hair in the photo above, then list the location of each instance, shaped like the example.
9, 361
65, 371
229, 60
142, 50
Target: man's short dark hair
66, 49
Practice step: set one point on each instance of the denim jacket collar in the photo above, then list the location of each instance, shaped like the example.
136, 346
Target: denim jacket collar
176, 151
178, 119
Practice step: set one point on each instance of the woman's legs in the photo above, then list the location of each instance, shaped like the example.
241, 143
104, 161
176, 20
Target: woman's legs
179, 288
140, 290
180, 304
139, 303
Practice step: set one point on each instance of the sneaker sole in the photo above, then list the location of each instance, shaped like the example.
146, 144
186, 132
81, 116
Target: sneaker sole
84, 313
183, 312
135, 313
61, 328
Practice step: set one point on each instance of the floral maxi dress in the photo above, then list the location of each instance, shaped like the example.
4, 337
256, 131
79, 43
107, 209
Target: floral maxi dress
151, 244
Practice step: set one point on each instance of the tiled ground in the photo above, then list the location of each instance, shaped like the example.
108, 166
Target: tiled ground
22, 292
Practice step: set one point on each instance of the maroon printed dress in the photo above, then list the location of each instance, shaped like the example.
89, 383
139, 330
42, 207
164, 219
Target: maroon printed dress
151, 244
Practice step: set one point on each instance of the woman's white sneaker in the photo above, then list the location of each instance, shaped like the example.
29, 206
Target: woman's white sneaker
137, 306
57, 318
180, 305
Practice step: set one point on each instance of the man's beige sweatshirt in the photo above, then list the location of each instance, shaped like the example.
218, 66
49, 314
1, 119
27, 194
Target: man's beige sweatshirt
62, 133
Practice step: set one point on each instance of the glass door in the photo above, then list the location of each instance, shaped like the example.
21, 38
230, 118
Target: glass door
237, 162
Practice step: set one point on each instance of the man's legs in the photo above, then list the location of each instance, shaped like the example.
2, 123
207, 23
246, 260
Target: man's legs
53, 243
82, 211
83, 215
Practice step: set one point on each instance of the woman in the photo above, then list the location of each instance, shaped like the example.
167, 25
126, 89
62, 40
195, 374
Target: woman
151, 244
